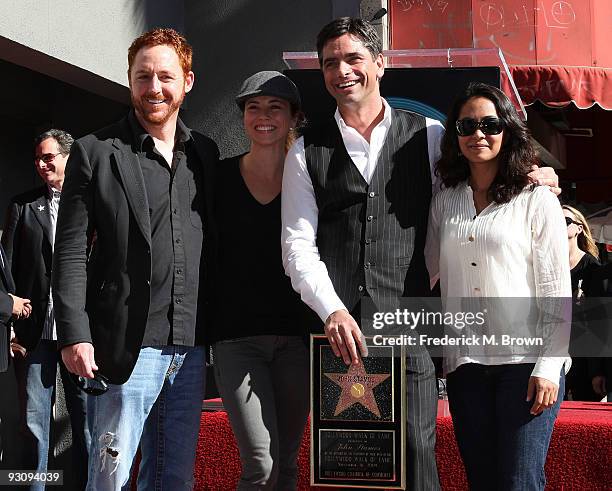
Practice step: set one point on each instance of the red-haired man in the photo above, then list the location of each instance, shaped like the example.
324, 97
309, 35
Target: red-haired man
130, 270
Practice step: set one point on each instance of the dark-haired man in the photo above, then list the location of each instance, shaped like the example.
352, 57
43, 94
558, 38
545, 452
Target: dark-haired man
133, 248
355, 202
28, 240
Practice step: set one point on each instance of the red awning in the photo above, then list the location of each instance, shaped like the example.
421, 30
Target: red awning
558, 86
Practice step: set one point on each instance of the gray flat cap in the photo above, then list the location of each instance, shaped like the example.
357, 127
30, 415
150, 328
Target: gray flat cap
269, 83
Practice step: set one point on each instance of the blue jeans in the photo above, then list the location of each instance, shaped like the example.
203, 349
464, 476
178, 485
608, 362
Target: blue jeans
159, 407
36, 375
265, 385
502, 445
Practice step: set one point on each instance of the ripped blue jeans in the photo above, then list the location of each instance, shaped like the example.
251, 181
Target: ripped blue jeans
159, 407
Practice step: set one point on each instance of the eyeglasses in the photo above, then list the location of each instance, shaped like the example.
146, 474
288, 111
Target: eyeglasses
92, 386
47, 158
489, 125
569, 221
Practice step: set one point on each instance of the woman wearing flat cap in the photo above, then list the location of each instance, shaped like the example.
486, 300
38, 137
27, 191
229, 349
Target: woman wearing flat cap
260, 357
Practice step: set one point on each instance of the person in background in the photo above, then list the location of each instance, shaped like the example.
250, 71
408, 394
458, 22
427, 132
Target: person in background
600, 368
600, 371
28, 240
11, 308
260, 357
491, 234
591, 378
584, 268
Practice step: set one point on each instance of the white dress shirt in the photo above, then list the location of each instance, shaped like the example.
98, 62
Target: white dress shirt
516, 249
300, 214
53, 200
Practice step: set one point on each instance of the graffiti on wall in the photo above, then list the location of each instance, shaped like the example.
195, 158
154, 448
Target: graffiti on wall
425, 5
494, 15
527, 31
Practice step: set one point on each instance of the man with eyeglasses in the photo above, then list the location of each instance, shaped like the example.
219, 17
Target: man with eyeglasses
28, 240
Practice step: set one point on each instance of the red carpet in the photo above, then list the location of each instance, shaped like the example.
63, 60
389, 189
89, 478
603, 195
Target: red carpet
580, 456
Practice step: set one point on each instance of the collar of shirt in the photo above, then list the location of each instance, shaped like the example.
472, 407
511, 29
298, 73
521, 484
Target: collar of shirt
52, 193
363, 154
183, 133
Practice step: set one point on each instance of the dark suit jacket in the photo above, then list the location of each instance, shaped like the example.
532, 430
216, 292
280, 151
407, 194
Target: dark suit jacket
102, 261
6, 310
27, 243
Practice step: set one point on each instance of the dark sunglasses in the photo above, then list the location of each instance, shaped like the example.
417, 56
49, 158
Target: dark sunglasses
489, 125
569, 221
47, 158
92, 386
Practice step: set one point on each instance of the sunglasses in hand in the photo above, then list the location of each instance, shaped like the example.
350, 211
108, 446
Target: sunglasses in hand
92, 386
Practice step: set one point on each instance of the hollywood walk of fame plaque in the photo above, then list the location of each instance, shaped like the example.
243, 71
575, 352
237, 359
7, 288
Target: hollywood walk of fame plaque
358, 427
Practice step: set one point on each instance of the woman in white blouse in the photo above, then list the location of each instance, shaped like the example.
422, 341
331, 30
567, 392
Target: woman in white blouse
491, 234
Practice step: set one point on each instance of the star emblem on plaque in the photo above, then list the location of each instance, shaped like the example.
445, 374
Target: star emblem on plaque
357, 388
361, 392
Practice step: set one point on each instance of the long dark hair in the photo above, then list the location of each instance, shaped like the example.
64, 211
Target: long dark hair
516, 156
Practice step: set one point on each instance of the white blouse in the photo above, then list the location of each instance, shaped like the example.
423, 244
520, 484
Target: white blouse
516, 249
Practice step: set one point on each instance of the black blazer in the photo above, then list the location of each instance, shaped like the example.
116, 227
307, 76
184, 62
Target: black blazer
27, 243
6, 310
102, 261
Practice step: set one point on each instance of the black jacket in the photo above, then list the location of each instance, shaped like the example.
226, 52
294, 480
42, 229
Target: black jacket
102, 261
6, 310
27, 243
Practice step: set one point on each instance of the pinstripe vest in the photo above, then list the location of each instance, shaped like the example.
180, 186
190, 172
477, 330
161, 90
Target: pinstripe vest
371, 237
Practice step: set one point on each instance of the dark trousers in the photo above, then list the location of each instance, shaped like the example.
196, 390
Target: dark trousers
578, 381
422, 408
502, 445
10, 440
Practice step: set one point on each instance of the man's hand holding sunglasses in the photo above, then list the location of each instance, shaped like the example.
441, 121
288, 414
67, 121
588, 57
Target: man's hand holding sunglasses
79, 359
80, 362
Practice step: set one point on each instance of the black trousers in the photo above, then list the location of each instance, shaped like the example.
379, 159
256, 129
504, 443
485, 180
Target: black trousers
421, 409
